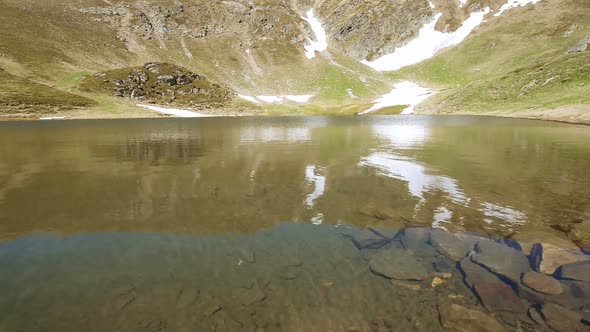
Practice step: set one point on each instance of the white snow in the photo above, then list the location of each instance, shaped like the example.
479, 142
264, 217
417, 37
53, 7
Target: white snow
513, 4
427, 44
174, 111
270, 99
462, 3
319, 182
277, 99
321, 42
299, 98
403, 93
249, 98
52, 118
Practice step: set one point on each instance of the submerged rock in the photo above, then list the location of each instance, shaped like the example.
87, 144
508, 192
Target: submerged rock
497, 296
418, 241
452, 246
575, 271
397, 264
368, 239
475, 273
542, 283
456, 317
405, 285
537, 318
561, 319
386, 233
187, 297
501, 259
547, 258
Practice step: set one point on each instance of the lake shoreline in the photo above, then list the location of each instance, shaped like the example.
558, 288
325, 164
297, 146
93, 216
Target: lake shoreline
146, 114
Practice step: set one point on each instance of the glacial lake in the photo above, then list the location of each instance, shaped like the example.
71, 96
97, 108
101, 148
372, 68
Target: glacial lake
382, 223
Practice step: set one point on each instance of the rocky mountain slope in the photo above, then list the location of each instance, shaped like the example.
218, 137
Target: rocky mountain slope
296, 56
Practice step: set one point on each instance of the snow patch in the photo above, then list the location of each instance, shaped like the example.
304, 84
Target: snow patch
403, 93
249, 98
270, 99
174, 111
321, 42
277, 99
462, 3
299, 98
513, 4
427, 44
53, 118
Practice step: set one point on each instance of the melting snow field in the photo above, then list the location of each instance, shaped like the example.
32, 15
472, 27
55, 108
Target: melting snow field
427, 44
403, 93
513, 4
174, 111
277, 99
321, 42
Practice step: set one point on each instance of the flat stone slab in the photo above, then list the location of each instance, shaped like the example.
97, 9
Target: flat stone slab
453, 316
501, 259
418, 240
575, 271
547, 258
397, 264
498, 296
475, 273
453, 246
561, 319
542, 283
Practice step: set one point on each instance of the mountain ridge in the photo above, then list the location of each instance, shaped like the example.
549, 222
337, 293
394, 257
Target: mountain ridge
257, 48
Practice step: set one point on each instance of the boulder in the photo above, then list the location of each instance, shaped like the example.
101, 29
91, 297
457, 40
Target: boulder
561, 319
454, 247
547, 258
575, 271
542, 283
501, 259
498, 296
397, 264
453, 316
368, 239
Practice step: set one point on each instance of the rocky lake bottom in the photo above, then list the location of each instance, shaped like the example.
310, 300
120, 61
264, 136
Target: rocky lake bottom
293, 277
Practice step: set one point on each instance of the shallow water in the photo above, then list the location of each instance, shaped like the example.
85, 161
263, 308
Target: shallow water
246, 223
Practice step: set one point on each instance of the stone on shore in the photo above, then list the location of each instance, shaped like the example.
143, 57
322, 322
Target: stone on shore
456, 317
561, 319
397, 264
547, 258
575, 271
501, 259
498, 296
542, 283
454, 247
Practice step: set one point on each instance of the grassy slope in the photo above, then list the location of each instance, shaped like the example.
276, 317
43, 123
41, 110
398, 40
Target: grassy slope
515, 66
